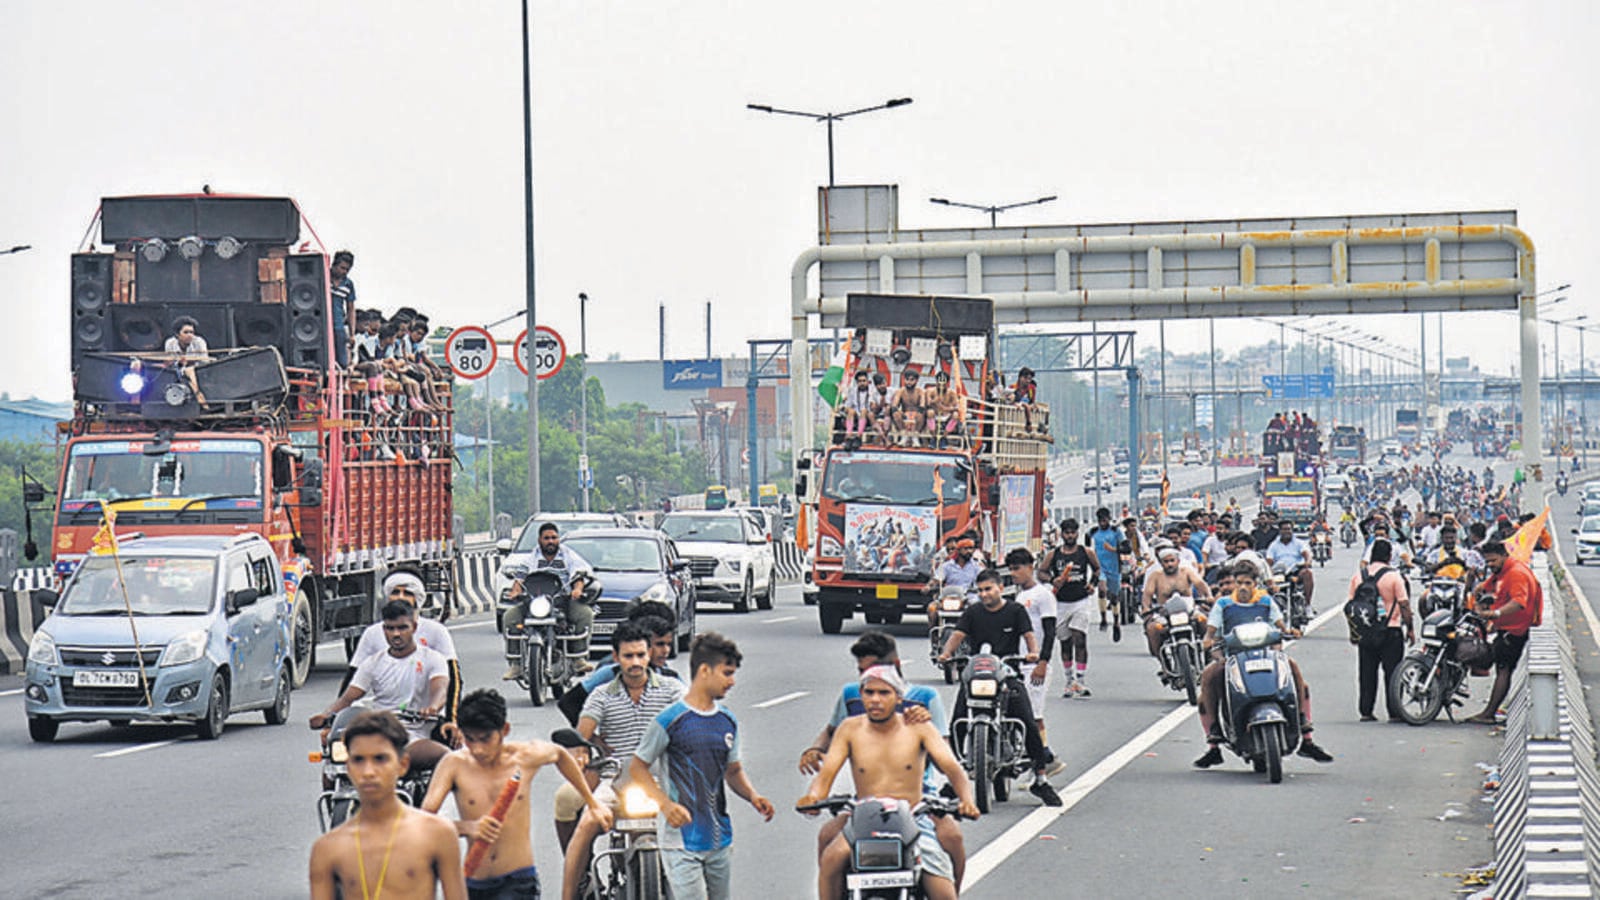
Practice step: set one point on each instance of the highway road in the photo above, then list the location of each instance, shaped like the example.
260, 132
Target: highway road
1186, 481
151, 811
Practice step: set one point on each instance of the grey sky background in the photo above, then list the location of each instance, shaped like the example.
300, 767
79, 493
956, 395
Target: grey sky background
398, 128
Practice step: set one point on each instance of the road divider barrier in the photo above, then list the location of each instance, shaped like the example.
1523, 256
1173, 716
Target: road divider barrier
790, 560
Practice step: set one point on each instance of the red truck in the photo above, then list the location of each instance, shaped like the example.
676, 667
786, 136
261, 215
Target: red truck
265, 433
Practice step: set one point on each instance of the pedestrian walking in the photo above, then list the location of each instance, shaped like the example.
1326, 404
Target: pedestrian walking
1384, 651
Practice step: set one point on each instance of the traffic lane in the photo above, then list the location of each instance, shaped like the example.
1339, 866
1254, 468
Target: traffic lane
1396, 779
1586, 642
1185, 480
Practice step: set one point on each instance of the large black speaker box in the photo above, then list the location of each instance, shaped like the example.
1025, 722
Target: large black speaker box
99, 379
242, 376
271, 220
260, 326
91, 296
145, 327
308, 304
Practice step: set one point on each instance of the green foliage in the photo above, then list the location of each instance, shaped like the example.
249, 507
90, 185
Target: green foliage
40, 461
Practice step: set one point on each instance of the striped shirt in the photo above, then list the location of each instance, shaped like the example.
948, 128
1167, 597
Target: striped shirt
620, 722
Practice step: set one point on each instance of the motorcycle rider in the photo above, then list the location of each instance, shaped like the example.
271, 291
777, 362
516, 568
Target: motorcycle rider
1289, 551
1452, 560
580, 615
430, 633
1247, 603
1003, 625
1072, 572
1170, 579
887, 757
959, 571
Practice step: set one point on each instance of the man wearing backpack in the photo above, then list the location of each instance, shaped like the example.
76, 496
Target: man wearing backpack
1516, 604
1383, 643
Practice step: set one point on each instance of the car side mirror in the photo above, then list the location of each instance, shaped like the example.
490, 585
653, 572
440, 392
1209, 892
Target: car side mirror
503, 546
1574, 531
682, 565
241, 598
46, 599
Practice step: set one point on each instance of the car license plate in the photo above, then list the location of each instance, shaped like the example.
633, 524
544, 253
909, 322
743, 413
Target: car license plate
888, 592
105, 679
865, 881
1258, 665
600, 628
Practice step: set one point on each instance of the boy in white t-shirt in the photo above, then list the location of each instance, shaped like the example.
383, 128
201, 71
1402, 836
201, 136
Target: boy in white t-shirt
1039, 600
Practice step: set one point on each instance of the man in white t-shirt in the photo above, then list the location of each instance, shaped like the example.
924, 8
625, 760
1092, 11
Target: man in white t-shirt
407, 678
430, 633
1039, 599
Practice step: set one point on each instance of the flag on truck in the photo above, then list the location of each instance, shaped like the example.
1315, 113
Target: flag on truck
105, 537
828, 388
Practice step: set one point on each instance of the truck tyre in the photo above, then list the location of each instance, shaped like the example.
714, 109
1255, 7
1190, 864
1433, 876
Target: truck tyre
303, 634
831, 617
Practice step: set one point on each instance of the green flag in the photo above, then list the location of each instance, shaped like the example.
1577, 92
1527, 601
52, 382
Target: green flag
828, 389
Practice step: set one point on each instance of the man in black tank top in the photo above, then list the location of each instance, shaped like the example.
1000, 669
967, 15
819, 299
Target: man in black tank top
1073, 573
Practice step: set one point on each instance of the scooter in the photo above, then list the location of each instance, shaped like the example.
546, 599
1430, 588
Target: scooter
1182, 659
1260, 709
1561, 484
1347, 534
990, 744
952, 603
1288, 587
884, 863
1433, 677
549, 647
339, 799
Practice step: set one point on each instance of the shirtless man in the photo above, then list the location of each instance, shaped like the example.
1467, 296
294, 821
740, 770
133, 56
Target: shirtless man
907, 405
948, 411
477, 774
887, 758
1163, 583
406, 853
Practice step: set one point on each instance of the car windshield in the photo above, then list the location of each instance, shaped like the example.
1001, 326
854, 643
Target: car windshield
120, 470
1183, 504
727, 529
1590, 525
149, 586
902, 479
528, 541
617, 554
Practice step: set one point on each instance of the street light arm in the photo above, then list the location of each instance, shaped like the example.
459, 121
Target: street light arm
887, 104
943, 202
761, 107
1024, 203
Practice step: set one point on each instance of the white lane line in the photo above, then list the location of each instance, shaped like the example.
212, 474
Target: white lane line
779, 619
1024, 831
137, 748
11, 693
470, 625
767, 704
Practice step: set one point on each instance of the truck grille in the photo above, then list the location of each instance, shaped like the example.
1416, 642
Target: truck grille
96, 657
702, 566
100, 696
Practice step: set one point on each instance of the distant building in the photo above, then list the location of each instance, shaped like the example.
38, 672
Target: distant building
32, 421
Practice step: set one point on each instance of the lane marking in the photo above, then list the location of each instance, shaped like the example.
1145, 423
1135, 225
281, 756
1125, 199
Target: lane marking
767, 704
779, 619
11, 693
137, 748
1024, 831
470, 625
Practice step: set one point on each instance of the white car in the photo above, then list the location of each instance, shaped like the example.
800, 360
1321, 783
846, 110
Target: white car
1193, 458
1107, 482
1178, 508
729, 554
1588, 542
1335, 485
1390, 448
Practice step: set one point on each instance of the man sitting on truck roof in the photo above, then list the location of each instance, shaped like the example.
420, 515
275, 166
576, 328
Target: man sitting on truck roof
909, 407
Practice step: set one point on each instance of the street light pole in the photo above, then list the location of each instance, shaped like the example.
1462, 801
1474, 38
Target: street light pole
828, 118
583, 393
991, 210
532, 316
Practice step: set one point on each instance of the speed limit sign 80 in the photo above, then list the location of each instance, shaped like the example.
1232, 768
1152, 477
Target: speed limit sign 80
471, 352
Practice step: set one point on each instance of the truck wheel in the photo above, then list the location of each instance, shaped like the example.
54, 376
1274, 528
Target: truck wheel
42, 729
303, 633
832, 617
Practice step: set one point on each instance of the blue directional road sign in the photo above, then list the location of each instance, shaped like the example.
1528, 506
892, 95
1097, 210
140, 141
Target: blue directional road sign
1298, 387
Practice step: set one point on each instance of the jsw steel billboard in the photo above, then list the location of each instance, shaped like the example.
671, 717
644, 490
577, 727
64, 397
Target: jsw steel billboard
691, 374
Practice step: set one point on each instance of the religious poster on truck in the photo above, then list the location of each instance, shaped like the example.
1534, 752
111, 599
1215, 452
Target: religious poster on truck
890, 540
1016, 512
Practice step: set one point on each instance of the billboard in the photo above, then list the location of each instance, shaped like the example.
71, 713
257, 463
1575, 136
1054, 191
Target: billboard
1016, 512
890, 540
691, 374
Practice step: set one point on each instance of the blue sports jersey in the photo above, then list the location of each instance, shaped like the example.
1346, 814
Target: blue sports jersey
698, 747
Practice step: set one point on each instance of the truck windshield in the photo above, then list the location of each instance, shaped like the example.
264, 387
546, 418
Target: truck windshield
155, 586
119, 470
902, 479
1291, 486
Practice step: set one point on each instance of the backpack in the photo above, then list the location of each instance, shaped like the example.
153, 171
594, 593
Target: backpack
1364, 612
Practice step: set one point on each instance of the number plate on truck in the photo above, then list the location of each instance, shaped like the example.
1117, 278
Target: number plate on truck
888, 592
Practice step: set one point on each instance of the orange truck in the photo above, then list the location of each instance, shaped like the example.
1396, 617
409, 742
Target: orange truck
264, 432
882, 507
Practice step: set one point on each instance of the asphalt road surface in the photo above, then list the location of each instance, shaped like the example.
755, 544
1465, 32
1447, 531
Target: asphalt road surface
1186, 481
150, 811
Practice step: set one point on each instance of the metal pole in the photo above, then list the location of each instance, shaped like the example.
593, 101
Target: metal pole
1422, 364
708, 329
1212, 426
1533, 488
661, 331
830, 151
1133, 438
583, 393
751, 437
1283, 354
1561, 403
1166, 424
1094, 360
1583, 398
532, 317
488, 406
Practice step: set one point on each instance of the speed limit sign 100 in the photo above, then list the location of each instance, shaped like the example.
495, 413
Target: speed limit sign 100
549, 352
471, 352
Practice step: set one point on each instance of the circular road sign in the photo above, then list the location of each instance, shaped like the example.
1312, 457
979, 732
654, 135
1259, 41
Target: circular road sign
471, 352
549, 350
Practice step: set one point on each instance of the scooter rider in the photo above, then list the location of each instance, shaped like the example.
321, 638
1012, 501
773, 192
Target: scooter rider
580, 615
1171, 579
1289, 551
1004, 625
1247, 603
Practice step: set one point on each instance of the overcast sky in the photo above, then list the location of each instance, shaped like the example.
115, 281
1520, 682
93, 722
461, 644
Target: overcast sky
398, 127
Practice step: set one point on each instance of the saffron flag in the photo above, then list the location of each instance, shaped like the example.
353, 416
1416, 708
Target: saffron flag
105, 537
1526, 539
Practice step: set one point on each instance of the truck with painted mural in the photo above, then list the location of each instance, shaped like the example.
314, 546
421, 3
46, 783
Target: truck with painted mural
210, 399
945, 462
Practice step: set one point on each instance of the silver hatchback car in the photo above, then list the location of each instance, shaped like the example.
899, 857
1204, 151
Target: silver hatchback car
212, 623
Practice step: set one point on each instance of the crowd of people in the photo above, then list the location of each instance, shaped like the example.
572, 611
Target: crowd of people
1293, 432
925, 415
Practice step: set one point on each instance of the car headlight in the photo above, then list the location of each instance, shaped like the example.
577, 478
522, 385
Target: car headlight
735, 564
985, 688
539, 607
830, 547
656, 593
42, 650
185, 649
636, 804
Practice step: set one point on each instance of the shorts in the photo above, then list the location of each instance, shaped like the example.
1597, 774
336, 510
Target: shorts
934, 860
569, 803
1036, 692
698, 875
523, 884
1074, 615
1508, 649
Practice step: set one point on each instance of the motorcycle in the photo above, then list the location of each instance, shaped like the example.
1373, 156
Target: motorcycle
1561, 484
339, 799
952, 603
550, 649
627, 859
1260, 709
1433, 677
1441, 593
989, 743
1182, 658
1288, 587
884, 862
1347, 534
1321, 547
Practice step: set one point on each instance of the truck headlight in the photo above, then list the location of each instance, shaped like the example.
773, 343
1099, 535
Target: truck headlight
42, 650
830, 547
185, 649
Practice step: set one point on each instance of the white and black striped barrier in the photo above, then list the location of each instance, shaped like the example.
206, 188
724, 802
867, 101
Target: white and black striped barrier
790, 560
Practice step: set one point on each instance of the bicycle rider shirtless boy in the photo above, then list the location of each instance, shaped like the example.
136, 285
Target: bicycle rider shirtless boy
386, 849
